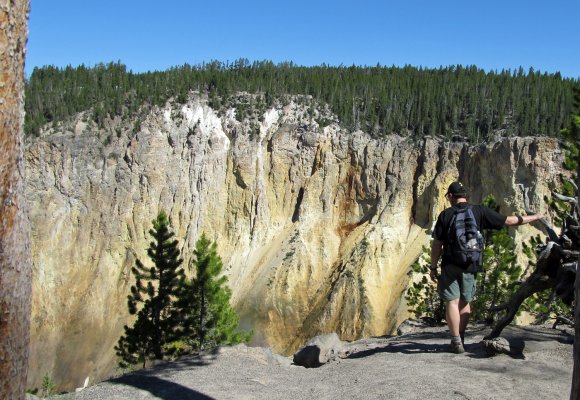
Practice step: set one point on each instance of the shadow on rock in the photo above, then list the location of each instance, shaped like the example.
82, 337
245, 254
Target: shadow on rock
186, 362
160, 388
536, 334
407, 347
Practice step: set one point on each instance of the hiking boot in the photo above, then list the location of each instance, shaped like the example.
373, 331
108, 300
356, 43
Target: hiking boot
456, 347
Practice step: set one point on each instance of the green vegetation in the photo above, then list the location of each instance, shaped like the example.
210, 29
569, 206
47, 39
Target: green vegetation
571, 133
157, 318
48, 387
421, 296
212, 319
175, 314
379, 100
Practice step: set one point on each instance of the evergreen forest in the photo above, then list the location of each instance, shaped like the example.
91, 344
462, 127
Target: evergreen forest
408, 101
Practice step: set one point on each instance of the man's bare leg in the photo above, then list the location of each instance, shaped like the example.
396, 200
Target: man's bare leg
453, 316
464, 313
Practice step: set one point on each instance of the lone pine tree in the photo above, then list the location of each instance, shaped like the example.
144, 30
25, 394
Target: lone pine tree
211, 320
153, 299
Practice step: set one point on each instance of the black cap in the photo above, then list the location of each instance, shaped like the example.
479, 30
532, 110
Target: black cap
457, 190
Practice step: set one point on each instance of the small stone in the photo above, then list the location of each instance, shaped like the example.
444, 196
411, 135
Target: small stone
497, 345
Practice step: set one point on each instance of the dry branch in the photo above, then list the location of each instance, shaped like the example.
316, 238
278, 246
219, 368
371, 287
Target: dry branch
554, 269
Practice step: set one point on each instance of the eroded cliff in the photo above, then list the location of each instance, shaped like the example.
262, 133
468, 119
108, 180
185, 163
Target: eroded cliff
316, 226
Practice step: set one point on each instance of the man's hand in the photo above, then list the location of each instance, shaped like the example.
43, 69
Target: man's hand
433, 275
436, 250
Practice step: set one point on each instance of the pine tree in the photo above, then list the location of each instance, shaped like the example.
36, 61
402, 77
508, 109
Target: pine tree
153, 299
212, 320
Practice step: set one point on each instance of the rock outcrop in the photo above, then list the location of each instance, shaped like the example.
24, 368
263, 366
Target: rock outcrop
316, 226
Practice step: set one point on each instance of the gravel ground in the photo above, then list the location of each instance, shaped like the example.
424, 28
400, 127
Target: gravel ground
412, 366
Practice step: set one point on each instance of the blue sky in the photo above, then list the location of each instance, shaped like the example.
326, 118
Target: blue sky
155, 35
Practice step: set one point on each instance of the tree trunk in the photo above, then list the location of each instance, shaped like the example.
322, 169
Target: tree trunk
575, 391
201, 331
15, 259
534, 284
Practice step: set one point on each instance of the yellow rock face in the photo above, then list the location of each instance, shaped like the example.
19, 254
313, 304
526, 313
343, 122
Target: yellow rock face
317, 226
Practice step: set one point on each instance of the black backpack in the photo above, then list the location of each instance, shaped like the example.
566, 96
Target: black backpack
464, 246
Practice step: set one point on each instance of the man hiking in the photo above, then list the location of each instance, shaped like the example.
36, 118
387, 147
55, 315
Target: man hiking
457, 238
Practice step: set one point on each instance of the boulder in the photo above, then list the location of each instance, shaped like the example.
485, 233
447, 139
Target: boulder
497, 345
320, 350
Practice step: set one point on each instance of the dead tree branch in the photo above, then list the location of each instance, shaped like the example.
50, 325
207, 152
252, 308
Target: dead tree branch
555, 267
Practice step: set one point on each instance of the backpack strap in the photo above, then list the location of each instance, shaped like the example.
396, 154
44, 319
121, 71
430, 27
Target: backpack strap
451, 234
456, 212
477, 264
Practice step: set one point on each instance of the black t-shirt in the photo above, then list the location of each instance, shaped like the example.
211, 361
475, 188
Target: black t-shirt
485, 217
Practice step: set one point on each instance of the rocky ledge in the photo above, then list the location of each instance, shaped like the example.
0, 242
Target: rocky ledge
410, 366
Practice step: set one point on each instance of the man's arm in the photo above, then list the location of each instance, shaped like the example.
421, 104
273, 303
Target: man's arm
436, 249
515, 220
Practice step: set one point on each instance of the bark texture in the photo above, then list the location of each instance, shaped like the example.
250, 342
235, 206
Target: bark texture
15, 259
575, 391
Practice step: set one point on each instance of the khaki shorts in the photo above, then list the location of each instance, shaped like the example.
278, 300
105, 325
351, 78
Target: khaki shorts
455, 283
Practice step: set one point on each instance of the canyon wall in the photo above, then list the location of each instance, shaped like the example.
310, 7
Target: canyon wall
316, 226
